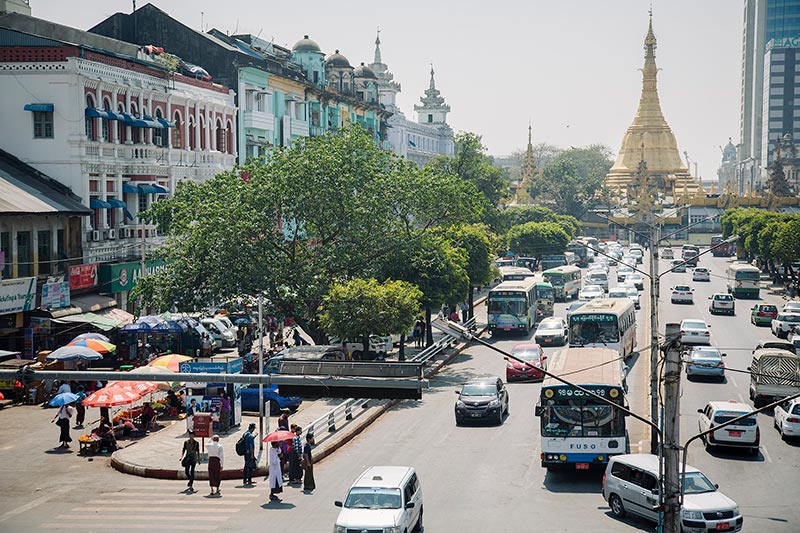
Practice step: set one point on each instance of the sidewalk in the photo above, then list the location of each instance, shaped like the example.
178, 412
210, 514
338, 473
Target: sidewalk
158, 454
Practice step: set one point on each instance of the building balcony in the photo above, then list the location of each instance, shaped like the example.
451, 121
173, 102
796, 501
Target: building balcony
120, 243
260, 120
148, 154
299, 128
316, 131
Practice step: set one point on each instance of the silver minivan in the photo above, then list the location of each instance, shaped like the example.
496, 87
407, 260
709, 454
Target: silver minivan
383, 498
630, 485
597, 277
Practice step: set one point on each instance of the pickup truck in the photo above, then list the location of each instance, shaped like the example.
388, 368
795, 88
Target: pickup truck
775, 375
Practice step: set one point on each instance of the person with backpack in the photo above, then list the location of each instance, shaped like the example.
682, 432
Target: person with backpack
248, 446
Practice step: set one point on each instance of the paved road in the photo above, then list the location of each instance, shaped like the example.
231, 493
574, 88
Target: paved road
764, 486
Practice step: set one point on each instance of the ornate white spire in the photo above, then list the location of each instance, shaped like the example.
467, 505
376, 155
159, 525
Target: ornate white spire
433, 105
378, 48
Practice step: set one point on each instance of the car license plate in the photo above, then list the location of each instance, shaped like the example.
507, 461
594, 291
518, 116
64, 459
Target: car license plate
734, 433
548, 340
723, 525
581, 466
475, 414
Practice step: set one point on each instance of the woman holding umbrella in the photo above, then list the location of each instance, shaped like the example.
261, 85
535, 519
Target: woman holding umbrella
62, 420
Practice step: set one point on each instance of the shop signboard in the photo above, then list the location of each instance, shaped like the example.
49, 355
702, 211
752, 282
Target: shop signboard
83, 276
121, 277
27, 342
55, 295
40, 326
17, 294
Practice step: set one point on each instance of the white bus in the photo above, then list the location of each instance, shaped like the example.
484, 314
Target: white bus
743, 280
511, 273
579, 431
604, 323
511, 306
566, 281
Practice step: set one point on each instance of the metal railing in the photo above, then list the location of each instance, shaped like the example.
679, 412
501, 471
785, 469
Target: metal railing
344, 411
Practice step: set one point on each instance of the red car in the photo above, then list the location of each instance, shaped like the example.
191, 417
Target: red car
533, 354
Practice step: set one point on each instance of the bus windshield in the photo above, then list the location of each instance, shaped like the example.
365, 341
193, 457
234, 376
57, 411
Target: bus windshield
556, 280
593, 329
545, 293
750, 276
576, 418
507, 306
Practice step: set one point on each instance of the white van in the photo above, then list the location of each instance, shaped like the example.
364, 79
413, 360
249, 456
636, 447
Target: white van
597, 277
383, 498
228, 324
218, 331
630, 485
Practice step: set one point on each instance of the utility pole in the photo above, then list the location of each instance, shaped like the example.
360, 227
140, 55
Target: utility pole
672, 383
260, 372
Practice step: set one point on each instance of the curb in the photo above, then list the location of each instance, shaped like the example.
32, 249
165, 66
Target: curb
319, 454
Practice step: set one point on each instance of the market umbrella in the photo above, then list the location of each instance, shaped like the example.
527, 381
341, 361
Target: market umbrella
95, 336
70, 353
139, 387
63, 399
157, 370
2, 397
279, 435
171, 361
111, 396
96, 345
242, 321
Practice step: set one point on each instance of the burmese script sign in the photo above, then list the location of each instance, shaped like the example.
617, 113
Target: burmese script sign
18, 294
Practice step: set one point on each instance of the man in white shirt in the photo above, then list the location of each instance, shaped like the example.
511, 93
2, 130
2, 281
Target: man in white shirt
216, 458
64, 387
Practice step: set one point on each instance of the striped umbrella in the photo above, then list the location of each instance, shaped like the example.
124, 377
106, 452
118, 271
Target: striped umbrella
94, 344
157, 370
70, 353
139, 387
111, 396
96, 336
171, 361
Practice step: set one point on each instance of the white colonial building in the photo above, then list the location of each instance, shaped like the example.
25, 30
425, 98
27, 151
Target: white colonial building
416, 141
110, 122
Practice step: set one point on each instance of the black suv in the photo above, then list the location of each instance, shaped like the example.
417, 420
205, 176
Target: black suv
482, 399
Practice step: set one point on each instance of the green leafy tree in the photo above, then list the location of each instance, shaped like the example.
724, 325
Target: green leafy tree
573, 179
359, 308
786, 244
438, 268
536, 239
475, 243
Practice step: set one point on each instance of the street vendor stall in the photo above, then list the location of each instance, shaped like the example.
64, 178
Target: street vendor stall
208, 396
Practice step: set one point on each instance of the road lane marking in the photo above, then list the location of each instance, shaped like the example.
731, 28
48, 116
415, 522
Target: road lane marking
766, 454
123, 494
734, 382
215, 502
116, 517
741, 398
135, 508
151, 526
30, 505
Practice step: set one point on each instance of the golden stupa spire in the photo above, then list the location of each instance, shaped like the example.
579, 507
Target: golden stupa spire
527, 171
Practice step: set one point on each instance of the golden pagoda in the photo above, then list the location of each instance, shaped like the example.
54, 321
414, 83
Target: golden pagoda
650, 138
527, 173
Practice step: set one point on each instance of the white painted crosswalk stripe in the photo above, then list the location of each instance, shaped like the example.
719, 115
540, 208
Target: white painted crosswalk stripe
149, 526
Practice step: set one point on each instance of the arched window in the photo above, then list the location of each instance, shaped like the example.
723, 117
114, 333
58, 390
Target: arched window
105, 122
229, 137
136, 131
177, 132
192, 133
221, 138
91, 133
158, 133
121, 125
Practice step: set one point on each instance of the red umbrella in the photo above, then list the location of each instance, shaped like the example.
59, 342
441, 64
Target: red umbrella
139, 387
111, 396
279, 436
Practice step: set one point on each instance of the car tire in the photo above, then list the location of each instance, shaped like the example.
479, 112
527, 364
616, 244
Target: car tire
615, 503
418, 527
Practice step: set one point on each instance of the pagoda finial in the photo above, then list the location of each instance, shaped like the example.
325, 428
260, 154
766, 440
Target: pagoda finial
433, 83
378, 47
530, 133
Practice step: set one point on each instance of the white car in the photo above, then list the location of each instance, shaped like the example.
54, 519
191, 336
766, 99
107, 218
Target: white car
383, 498
590, 292
787, 418
701, 274
634, 295
682, 294
743, 434
667, 253
695, 331
597, 277
784, 323
552, 331
618, 292
792, 307
637, 279
622, 272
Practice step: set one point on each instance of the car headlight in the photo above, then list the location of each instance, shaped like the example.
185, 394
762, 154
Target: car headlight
460, 404
494, 403
736, 511
692, 515
339, 529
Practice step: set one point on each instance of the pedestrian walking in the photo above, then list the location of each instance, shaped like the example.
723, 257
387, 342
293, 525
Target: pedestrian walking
308, 465
464, 311
80, 409
224, 413
275, 474
62, 420
424, 329
296, 457
417, 333
216, 460
283, 421
206, 346
189, 459
190, 416
249, 455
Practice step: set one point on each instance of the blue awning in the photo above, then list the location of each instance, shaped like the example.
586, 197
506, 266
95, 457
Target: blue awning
114, 116
39, 107
131, 189
128, 214
94, 112
160, 190
166, 123
153, 123
116, 203
147, 188
94, 203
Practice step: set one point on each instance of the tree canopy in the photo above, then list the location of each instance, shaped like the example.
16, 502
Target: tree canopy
535, 239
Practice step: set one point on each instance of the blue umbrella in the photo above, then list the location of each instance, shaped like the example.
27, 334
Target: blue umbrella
70, 353
95, 336
64, 398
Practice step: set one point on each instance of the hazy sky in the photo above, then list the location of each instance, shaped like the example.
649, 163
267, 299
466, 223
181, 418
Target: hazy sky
571, 66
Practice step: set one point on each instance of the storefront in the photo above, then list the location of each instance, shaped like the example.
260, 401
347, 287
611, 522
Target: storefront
119, 279
17, 295
208, 395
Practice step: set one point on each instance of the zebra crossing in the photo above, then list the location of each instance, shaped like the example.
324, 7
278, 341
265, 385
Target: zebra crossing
161, 508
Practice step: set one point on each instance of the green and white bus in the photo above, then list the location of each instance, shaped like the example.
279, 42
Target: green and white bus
604, 323
744, 280
511, 306
566, 281
557, 260
512, 273
545, 298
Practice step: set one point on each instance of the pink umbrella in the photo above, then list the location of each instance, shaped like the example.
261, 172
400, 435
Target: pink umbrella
139, 387
279, 435
111, 396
